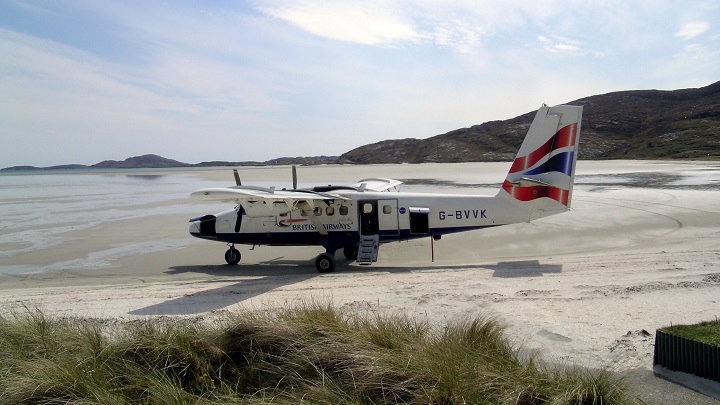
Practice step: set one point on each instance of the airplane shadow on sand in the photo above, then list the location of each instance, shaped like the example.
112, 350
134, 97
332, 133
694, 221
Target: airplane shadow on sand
524, 268
515, 269
255, 280
266, 276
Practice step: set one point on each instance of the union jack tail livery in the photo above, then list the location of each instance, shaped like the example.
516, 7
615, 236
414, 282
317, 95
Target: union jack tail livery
542, 174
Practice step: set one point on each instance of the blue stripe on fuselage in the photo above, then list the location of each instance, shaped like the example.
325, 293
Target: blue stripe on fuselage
315, 239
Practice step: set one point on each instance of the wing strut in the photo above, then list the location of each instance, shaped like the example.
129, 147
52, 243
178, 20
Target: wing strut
308, 210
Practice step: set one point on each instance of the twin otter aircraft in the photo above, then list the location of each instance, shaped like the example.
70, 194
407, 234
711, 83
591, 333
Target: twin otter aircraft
359, 217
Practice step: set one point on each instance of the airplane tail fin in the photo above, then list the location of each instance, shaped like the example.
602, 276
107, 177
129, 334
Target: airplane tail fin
542, 174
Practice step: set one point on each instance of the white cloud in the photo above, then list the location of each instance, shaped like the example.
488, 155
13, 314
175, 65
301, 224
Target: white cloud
459, 25
469, 26
371, 23
692, 29
560, 44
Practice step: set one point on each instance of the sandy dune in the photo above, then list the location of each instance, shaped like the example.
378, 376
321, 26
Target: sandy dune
639, 251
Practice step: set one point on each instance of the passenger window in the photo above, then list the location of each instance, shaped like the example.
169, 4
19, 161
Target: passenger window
317, 211
367, 208
330, 211
387, 209
343, 210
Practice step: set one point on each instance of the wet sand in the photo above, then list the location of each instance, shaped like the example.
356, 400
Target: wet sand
639, 251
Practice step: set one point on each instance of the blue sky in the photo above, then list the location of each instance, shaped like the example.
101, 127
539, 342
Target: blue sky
84, 80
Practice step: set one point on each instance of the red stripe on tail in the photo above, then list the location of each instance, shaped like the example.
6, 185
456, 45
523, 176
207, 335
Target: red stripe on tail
534, 192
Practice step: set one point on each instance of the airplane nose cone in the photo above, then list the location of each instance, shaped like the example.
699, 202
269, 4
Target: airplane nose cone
203, 227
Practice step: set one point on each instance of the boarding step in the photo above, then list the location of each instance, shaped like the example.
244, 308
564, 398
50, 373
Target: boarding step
368, 249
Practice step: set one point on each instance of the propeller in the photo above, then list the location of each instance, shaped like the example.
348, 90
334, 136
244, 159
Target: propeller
294, 176
237, 178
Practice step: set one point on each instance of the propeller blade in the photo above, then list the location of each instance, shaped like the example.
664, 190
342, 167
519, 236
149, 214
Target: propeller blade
294, 175
237, 178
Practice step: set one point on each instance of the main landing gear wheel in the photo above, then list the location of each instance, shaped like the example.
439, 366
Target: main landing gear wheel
232, 256
350, 252
325, 263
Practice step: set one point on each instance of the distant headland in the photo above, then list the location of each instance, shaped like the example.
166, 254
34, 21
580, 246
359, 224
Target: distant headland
158, 162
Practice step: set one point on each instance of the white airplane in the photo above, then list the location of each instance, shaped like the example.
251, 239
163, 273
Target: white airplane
359, 217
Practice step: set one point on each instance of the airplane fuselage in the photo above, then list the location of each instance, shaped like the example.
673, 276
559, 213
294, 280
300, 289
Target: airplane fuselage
391, 215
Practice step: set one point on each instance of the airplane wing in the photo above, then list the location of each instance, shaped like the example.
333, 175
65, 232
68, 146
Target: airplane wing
376, 184
246, 193
228, 194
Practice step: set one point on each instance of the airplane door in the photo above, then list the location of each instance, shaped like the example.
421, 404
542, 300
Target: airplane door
388, 217
369, 220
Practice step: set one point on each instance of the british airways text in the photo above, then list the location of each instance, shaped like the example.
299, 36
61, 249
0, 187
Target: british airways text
328, 227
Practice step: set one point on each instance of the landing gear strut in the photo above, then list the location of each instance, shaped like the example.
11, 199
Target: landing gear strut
232, 256
325, 263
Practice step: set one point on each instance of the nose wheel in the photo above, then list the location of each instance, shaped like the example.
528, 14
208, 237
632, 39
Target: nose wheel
232, 256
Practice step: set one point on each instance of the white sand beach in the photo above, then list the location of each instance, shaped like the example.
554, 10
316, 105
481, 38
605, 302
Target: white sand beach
638, 251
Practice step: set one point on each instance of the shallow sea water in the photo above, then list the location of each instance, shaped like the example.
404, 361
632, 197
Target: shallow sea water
44, 210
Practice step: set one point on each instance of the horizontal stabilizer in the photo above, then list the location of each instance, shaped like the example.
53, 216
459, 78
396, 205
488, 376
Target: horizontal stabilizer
527, 182
376, 184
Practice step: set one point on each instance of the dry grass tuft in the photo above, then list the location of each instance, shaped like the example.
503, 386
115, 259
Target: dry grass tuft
311, 353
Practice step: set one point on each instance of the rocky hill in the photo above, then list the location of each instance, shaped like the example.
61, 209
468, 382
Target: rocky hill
641, 124
144, 161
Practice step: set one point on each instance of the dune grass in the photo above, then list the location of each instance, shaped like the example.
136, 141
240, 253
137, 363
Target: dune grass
705, 332
313, 353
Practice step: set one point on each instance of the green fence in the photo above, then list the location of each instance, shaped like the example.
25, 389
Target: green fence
688, 356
